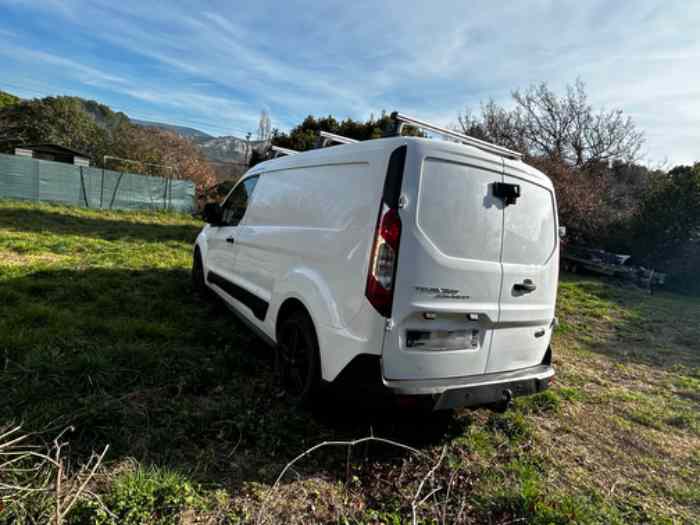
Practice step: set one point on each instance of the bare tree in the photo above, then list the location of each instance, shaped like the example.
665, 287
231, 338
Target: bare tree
264, 126
564, 128
497, 125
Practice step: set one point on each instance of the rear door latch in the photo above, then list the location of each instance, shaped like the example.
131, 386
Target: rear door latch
526, 286
508, 193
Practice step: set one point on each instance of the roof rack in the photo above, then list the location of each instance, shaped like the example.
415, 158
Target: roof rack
326, 139
279, 152
402, 119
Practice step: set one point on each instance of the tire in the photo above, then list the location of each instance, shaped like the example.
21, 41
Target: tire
198, 284
297, 361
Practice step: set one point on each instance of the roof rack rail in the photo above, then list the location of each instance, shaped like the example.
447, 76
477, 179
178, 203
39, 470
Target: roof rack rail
326, 138
279, 152
402, 119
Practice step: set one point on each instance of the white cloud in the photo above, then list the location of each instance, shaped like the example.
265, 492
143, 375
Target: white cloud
223, 62
85, 73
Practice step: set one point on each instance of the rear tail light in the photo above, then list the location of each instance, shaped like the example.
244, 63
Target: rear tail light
382, 269
381, 277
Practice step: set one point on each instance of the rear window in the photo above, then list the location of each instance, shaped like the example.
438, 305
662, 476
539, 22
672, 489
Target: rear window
457, 210
530, 230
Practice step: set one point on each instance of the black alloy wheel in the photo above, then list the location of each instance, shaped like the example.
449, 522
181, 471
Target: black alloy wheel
298, 358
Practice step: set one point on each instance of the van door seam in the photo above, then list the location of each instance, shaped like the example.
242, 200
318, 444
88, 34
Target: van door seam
500, 262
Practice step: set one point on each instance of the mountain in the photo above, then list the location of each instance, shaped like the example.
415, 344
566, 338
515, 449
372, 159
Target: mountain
227, 149
230, 149
191, 133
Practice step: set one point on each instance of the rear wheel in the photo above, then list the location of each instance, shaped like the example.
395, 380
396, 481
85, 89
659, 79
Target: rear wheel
198, 284
298, 363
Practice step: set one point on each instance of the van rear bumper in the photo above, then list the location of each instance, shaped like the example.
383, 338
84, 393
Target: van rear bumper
478, 390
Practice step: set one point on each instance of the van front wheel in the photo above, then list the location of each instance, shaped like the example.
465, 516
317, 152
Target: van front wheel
298, 364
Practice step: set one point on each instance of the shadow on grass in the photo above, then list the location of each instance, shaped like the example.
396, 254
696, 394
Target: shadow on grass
130, 358
630, 325
45, 220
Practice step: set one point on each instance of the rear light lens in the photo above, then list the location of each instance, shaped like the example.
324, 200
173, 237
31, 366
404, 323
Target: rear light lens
382, 269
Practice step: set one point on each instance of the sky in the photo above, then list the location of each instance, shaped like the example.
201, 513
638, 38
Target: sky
214, 65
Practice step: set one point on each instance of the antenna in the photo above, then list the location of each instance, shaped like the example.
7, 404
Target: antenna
402, 119
280, 152
326, 138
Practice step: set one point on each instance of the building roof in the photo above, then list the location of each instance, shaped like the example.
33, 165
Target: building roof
54, 149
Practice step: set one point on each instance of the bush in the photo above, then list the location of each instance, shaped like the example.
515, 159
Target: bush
151, 496
669, 215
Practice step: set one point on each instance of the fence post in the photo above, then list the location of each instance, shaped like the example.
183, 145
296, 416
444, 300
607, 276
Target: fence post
82, 188
116, 189
102, 184
36, 180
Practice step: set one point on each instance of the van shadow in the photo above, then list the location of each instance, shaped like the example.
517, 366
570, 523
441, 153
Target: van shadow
133, 359
377, 412
45, 220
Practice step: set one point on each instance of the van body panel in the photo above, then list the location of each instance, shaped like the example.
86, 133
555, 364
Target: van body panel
291, 223
449, 262
363, 335
307, 235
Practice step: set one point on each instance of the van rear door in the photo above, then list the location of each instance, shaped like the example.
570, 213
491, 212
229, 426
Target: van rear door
530, 272
448, 278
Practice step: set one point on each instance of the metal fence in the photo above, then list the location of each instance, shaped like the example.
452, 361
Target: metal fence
41, 180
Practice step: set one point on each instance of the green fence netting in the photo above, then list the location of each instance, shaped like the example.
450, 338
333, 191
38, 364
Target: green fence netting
41, 180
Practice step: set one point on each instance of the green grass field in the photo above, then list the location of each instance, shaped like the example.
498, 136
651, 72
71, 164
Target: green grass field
99, 331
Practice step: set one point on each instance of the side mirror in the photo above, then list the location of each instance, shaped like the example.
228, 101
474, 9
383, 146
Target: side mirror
562, 232
212, 213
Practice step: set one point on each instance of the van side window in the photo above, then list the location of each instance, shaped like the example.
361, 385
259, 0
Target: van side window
236, 204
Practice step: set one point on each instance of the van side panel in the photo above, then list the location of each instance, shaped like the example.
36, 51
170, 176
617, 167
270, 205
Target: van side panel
307, 234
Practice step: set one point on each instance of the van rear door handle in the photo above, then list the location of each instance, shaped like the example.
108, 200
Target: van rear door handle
526, 286
230, 240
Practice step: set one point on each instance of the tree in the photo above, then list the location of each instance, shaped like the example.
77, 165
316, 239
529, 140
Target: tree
7, 99
162, 153
497, 125
96, 130
59, 120
669, 215
564, 128
589, 155
304, 136
581, 202
264, 126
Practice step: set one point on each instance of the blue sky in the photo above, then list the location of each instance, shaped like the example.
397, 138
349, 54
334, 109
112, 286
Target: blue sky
215, 65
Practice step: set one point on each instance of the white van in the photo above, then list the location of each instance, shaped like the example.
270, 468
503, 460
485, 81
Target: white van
431, 266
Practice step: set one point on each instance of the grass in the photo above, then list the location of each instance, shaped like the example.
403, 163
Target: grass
99, 330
